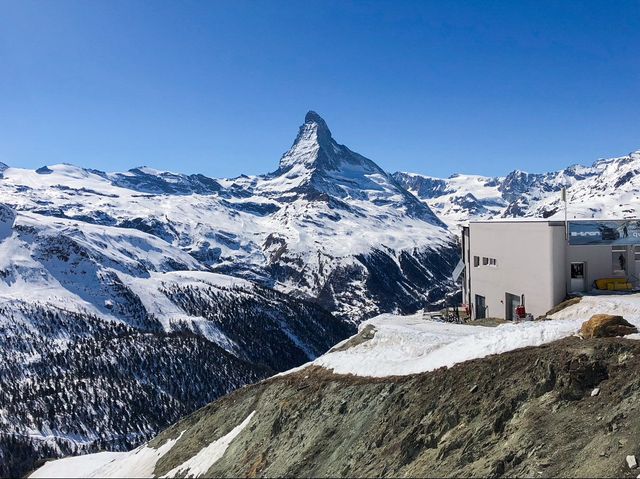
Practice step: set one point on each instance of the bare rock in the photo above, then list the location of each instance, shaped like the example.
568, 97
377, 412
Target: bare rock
606, 326
631, 462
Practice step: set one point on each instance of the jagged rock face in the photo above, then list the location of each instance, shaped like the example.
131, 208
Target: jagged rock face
425, 187
458, 198
148, 180
7, 218
321, 169
322, 186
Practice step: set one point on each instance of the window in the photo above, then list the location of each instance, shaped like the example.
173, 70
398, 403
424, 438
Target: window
577, 270
486, 261
636, 253
619, 259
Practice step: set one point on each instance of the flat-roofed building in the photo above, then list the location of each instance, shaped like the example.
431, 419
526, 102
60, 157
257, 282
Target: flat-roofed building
538, 263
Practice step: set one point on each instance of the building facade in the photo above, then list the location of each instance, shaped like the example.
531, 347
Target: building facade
538, 263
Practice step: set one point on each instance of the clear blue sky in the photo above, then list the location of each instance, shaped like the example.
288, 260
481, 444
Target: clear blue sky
221, 87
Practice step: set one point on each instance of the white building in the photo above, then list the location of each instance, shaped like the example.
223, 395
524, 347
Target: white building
538, 263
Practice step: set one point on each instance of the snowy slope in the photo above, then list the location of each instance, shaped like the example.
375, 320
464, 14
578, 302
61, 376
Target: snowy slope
409, 345
141, 462
109, 334
137, 463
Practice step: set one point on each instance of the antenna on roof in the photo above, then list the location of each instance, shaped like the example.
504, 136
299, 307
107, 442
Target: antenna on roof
566, 223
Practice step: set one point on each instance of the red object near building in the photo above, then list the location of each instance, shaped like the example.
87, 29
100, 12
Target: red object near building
520, 311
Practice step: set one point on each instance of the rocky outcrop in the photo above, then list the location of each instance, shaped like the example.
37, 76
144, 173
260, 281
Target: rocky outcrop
606, 326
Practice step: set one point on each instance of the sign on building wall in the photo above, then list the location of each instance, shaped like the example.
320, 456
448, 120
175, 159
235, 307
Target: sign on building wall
620, 232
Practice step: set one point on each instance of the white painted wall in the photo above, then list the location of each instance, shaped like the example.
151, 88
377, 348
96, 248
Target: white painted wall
533, 258
529, 261
599, 262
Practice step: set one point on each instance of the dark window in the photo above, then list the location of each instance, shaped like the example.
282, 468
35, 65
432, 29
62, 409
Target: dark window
577, 270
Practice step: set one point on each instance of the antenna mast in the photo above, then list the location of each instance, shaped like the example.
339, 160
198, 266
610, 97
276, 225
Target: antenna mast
566, 222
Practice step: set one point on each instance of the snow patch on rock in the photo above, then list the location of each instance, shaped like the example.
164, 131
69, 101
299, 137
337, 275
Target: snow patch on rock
198, 465
140, 462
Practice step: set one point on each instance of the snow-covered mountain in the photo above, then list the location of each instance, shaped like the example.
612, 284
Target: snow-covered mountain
328, 225
609, 188
109, 334
145, 294
130, 299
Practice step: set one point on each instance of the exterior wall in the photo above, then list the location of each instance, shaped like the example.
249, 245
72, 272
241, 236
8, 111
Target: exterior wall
466, 275
533, 259
599, 263
529, 261
560, 265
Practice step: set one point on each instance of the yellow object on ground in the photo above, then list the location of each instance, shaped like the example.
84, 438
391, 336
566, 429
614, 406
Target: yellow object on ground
613, 284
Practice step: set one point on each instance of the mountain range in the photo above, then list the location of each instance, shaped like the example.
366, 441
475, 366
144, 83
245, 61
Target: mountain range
609, 188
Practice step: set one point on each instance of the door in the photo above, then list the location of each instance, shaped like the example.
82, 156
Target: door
578, 277
481, 307
512, 301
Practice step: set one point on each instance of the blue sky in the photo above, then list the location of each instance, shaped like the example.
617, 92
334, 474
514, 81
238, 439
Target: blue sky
221, 87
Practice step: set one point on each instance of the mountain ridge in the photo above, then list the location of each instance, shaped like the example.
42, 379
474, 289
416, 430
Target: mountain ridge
607, 188
262, 272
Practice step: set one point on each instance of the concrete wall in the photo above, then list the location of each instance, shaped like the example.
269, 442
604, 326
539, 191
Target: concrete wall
529, 261
599, 263
466, 275
560, 266
533, 258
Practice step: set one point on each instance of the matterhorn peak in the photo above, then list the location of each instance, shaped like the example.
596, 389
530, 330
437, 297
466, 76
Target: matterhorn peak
312, 145
312, 118
315, 124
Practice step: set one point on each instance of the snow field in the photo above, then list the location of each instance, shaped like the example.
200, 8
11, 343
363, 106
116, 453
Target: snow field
408, 344
141, 462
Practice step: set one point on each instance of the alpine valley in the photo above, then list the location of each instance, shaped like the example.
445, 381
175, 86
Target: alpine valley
129, 300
